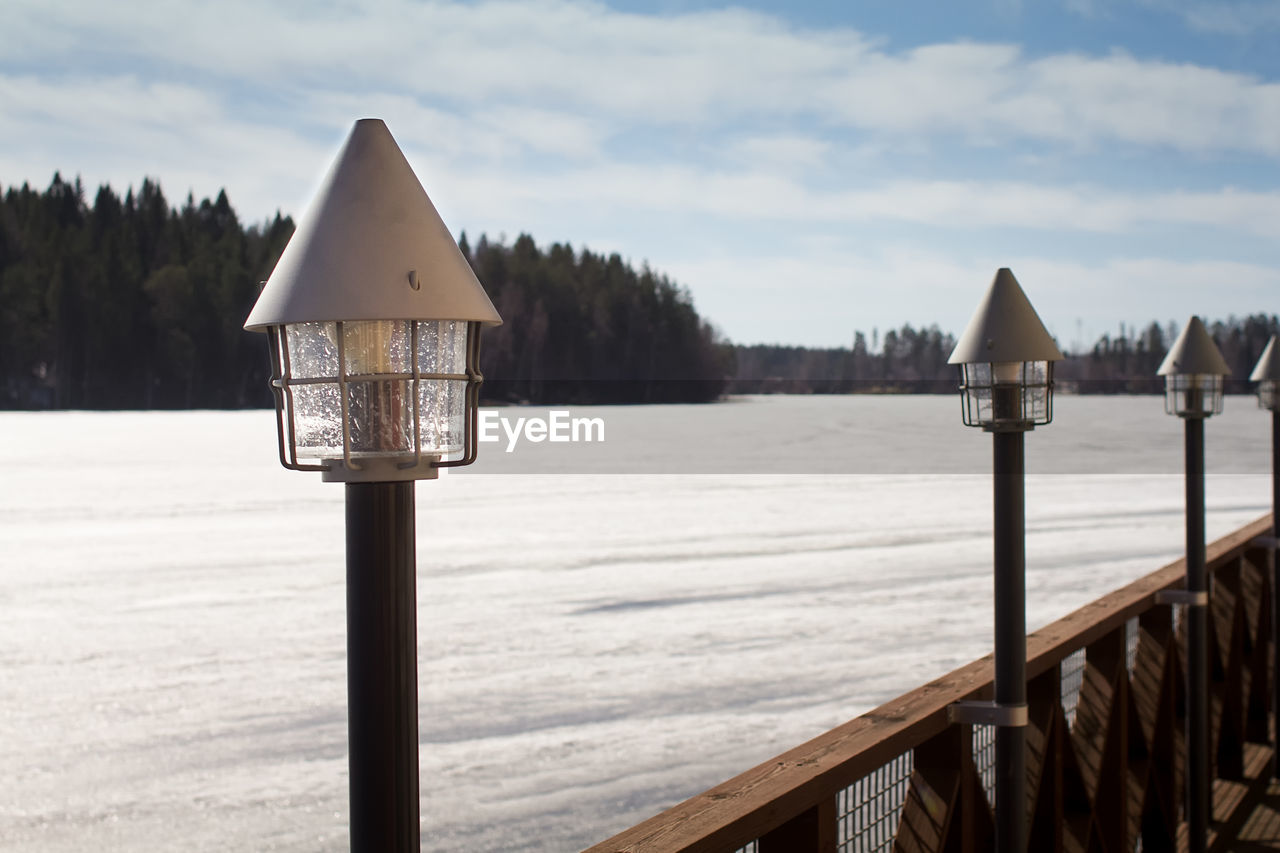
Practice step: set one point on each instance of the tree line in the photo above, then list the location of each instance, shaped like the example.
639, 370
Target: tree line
585, 328
910, 361
129, 302
1127, 363
133, 303
915, 361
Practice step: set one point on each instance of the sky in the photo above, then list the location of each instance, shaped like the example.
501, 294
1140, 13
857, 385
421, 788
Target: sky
804, 169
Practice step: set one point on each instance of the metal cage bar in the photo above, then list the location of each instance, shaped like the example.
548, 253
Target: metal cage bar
1193, 395
417, 397
343, 382
474, 378
1006, 406
282, 392
283, 384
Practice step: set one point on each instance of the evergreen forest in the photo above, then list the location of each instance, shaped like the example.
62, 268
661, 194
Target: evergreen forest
133, 303
126, 303
915, 361
585, 328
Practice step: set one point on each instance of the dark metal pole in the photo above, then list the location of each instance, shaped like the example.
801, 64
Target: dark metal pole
1011, 640
1275, 474
1275, 584
1197, 646
382, 668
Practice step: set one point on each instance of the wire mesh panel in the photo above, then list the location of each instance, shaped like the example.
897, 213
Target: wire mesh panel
984, 759
1131, 644
868, 811
1072, 673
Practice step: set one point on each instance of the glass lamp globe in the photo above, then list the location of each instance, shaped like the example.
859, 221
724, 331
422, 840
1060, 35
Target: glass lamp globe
380, 396
1193, 395
1011, 395
1269, 394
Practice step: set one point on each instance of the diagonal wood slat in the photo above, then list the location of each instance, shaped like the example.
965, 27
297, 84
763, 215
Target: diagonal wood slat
945, 808
1257, 593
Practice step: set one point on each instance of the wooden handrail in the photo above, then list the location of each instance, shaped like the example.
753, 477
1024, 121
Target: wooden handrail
765, 797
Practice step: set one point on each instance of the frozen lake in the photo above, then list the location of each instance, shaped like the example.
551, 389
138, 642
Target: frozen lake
708, 587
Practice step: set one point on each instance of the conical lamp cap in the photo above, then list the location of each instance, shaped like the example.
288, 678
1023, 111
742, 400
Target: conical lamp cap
1005, 328
371, 246
1194, 352
1268, 366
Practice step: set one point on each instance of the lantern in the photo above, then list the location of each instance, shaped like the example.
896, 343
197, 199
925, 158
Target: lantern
373, 318
1195, 373
1006, 360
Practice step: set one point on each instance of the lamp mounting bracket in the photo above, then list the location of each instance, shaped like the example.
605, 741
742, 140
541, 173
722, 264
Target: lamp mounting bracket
1187, 597
981, 713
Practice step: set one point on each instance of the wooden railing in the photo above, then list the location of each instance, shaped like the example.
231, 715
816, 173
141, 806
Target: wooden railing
1104, 764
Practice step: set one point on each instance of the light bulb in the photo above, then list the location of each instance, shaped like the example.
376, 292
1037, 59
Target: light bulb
373, 406
380, 407
1269, 394
367, 345
1007, 372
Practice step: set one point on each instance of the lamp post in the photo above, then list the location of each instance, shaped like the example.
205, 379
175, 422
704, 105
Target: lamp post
1006, 365
373, 318
1195, 372
1267, 374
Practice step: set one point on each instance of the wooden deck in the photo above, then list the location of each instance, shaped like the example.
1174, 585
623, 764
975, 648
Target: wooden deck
1101, 781
1262, 829
1246, 812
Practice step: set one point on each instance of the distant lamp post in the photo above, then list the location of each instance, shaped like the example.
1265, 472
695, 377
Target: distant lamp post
1006, 361
1195, 373
373, 317
1267, 374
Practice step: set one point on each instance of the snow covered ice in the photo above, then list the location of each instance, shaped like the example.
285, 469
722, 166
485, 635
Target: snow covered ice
593, 647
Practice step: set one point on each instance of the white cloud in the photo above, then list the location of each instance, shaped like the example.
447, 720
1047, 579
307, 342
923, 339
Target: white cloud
695, 140
788, 299
1085, 8
1236, 18
785, 151
1146, 288
498, 134
1160, 104
131, 129
703, 69
770, 196
764, 298
548, 131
